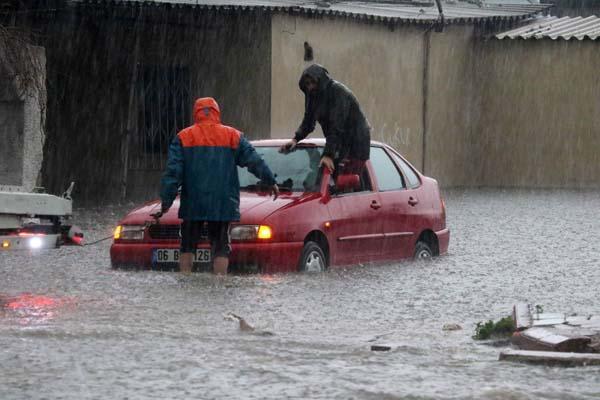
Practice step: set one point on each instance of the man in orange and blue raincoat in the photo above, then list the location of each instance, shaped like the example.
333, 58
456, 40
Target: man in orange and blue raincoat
203, 160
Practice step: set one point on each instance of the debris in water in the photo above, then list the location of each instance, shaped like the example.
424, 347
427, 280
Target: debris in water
553, 338
451, 327
551, 358
379, 347
245, 326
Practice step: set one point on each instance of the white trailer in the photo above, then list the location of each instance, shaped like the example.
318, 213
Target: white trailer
36, 221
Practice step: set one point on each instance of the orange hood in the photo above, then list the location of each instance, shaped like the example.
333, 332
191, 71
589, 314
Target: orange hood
206, 109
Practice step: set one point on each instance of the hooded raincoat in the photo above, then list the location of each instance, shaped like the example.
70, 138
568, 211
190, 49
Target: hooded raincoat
203, 160
346, 129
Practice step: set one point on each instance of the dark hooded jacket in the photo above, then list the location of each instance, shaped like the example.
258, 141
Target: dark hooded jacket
347, 131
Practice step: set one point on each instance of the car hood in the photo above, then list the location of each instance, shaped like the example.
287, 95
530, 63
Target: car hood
254, 208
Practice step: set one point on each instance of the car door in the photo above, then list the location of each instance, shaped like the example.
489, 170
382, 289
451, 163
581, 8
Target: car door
356, 224
398, 204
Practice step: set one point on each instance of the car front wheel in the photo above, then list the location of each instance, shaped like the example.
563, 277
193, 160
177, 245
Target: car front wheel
312, 258
423, 251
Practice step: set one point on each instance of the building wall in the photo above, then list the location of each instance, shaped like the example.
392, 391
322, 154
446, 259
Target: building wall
494, 113
539, 123
382, 68
385, 70
227, 57
449, 142
98, 105
22, 115
575, 8
13, 138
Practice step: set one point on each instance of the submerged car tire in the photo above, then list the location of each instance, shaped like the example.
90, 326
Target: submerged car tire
423, 251
312, 258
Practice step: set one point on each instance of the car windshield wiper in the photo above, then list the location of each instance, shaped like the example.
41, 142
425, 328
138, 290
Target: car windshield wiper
262, 186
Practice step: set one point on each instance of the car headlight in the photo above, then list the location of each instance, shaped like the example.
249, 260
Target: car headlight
251, 232
129, 232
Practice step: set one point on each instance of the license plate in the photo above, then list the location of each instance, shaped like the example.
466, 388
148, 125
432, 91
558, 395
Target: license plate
160, 256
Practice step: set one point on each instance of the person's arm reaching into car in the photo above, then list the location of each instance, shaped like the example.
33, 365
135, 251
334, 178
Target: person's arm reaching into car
306, 127
172, 178
247, 157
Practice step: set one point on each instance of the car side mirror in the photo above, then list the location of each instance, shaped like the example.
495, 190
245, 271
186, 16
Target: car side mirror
347, 183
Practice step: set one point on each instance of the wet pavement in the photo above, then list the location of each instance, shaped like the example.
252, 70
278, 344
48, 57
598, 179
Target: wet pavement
70, 327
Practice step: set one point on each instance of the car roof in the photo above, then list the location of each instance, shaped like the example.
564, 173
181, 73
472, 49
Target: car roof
320, 142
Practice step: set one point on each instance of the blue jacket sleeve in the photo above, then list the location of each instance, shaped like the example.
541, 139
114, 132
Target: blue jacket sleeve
173, 175
246, 156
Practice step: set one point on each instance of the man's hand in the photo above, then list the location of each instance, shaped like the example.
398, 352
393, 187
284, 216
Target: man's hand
275, 191
160, 213
289, 146
328, 162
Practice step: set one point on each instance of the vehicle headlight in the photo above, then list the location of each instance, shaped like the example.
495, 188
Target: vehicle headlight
251, 232
129, 232
36, 242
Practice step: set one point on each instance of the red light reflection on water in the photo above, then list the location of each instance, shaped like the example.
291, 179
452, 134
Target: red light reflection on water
30, 309
271, 279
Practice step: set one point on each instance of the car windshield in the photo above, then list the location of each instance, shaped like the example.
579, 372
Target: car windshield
297, 171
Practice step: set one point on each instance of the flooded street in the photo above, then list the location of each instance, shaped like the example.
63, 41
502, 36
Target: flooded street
82, 330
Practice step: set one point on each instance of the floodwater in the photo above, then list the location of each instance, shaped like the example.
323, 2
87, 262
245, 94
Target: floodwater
81, 330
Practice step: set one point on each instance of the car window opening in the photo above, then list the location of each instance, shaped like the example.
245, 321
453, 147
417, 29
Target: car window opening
297, 171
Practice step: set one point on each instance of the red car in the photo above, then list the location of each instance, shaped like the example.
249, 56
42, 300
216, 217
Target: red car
389, 213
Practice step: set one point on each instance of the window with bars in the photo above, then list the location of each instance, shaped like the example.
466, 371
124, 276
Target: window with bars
163, 109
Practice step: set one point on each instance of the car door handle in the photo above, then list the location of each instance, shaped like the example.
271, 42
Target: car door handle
412, 201
375, 205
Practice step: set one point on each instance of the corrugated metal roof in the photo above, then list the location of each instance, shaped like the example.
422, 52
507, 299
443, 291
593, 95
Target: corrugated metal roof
557, 28
416, 11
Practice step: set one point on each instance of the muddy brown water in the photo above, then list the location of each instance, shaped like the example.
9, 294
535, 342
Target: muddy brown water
83, 330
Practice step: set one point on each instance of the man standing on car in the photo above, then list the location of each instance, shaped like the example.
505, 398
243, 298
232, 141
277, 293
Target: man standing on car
347, 132
203, 160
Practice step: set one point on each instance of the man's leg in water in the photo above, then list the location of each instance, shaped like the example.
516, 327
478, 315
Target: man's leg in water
218, 233
190, 231
220, 265
185, 263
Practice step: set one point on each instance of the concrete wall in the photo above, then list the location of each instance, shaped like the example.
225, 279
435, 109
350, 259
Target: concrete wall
539, 122
385, 70
490, 113
22, 116
575, 8
13, 139
450, 112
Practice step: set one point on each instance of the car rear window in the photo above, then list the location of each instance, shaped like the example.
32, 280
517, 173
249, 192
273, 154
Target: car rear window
296, 171
388, 176
409, 173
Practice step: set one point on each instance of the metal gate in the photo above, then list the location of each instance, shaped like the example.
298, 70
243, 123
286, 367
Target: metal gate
163, 108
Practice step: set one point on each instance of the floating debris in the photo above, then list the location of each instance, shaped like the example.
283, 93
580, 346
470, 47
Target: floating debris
380, 347
553, 338
551, 358
451, 327
245, 326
